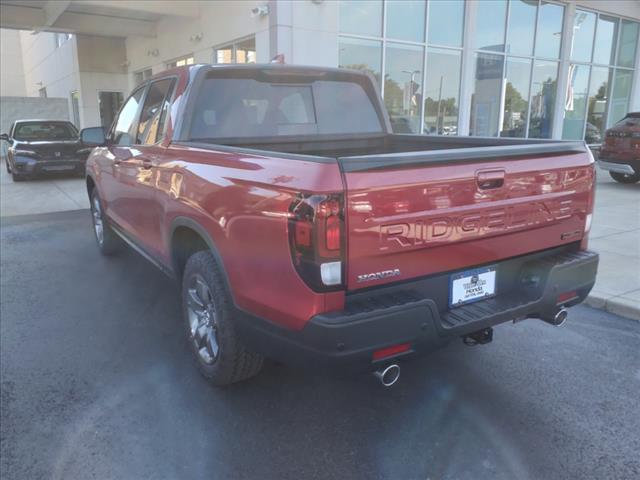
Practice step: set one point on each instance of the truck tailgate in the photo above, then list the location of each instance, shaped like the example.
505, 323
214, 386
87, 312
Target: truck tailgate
419, 218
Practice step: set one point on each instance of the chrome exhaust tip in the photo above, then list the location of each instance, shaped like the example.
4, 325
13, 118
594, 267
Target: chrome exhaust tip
558, 319
389, 375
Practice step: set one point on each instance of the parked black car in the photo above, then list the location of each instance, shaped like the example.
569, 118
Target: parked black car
44, 146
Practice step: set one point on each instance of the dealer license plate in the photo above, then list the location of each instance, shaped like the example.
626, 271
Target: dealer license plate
471, 286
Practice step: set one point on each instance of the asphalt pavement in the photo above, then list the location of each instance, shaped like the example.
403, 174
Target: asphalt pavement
97, 382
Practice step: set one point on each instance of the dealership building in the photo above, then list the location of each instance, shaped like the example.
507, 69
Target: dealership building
518, 68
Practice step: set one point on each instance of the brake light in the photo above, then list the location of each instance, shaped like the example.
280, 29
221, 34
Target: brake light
316, 236
332, 232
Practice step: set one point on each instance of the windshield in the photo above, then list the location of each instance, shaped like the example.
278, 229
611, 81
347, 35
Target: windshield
245, 107
45, 131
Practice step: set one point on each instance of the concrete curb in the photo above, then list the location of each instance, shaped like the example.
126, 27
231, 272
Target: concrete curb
617, 305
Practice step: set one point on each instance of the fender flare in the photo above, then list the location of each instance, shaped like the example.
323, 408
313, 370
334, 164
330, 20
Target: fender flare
187, 222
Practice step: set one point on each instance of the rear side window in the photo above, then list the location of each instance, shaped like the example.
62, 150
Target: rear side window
151, 123
124, 131
244, 107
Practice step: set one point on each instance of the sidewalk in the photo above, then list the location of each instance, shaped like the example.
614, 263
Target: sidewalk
615, 235
42, 195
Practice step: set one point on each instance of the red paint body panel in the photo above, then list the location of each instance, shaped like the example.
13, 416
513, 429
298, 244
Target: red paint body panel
243, 202
434, 219
419, 220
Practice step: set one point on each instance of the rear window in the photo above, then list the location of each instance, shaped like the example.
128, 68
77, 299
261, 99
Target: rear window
244, 107
45, 131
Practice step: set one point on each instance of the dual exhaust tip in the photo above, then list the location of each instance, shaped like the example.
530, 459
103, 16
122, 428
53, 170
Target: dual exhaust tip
389, 375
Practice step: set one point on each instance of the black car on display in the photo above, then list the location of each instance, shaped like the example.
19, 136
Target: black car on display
44, 146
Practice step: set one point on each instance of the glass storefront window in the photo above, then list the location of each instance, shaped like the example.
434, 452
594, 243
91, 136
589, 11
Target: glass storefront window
405, 20
442, 91
604, 48
619, 106
361, 55
584, 27
485, 101
598, 93
490, 25
447, 32
628, 44
403, 86
516, 97
543, 98
575, 107
549, 32
522, 25
361, 17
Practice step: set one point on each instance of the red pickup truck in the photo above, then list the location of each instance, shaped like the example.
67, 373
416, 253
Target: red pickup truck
301, 228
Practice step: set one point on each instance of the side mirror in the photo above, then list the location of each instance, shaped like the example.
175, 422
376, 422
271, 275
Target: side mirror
93, 137
4, 137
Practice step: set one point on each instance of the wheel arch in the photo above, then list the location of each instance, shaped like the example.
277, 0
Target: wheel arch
91, 185
187, 237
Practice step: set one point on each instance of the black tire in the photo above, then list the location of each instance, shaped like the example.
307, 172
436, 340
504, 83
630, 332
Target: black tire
624, 177
232, 361
16, 177
108, 243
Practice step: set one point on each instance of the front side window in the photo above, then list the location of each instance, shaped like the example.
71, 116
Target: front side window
153, 111
124, 131
28, 131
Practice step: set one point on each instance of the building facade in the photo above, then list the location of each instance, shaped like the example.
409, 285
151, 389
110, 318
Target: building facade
518, 68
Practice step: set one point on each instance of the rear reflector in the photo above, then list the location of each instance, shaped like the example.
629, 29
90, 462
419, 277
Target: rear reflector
391, 351
566, 296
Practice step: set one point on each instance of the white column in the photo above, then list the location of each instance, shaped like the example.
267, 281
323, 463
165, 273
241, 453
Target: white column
280, 29
468, 68
563, 71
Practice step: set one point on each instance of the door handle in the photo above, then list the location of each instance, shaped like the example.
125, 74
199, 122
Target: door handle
490, 179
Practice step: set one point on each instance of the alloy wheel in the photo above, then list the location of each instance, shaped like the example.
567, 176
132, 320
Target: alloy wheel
98, 225
203, 320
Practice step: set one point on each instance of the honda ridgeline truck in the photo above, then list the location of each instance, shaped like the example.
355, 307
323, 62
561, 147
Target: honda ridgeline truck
301, 228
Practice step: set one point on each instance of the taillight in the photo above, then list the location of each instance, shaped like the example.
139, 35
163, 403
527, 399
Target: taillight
316, 237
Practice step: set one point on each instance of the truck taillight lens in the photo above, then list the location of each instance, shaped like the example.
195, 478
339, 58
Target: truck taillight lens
316, 237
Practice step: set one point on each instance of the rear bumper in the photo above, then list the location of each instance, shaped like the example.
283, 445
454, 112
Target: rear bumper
345, 341
629, 167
